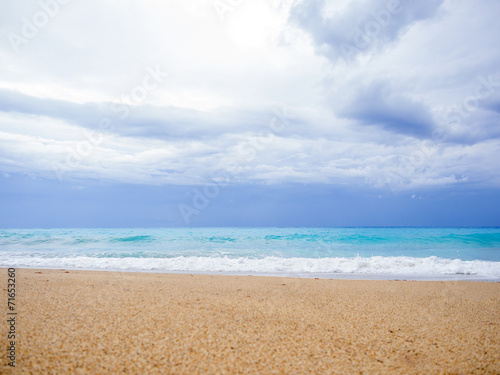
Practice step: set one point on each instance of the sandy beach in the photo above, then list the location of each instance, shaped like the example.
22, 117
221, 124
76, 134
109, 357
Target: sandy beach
82, 322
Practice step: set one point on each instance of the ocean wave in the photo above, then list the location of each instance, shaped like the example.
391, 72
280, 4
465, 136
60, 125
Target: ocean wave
377, 265
141, 238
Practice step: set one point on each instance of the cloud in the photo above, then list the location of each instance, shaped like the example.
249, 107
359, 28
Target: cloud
55, 149
67, 106
360, 27
165, 122
475, 117
377, 104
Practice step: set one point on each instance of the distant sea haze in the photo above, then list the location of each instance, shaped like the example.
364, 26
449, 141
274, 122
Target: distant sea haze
384, 253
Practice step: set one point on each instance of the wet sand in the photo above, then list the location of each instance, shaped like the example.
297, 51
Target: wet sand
83, 322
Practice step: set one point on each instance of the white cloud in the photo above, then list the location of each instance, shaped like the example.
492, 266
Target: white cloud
371, 121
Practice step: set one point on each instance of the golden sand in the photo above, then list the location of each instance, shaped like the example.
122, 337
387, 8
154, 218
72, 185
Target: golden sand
78, 322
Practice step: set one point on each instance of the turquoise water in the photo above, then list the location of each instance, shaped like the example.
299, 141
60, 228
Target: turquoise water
425, 252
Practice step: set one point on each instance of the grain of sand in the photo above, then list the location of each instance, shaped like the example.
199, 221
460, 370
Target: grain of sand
79, 322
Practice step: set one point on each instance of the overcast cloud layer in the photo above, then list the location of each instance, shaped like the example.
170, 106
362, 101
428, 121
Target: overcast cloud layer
369, 92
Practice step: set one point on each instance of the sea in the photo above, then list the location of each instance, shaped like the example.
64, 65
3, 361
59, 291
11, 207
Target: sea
352, 253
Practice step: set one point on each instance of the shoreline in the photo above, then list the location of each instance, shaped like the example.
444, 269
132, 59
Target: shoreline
109, 322
304, 275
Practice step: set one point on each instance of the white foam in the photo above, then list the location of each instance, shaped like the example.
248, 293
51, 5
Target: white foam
377, 265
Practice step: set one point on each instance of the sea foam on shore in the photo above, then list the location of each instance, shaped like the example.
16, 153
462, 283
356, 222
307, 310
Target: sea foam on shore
383, 267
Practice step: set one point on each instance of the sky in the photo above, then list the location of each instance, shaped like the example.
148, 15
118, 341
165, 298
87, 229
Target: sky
249, 113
